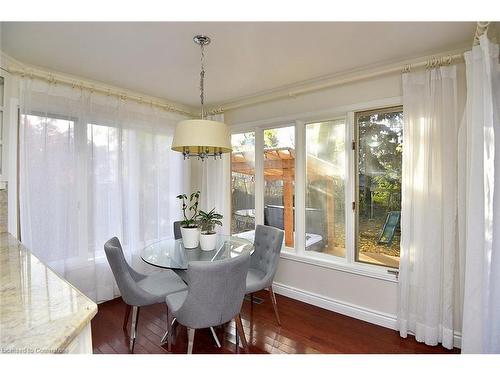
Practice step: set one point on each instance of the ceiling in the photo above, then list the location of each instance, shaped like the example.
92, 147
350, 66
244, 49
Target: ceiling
244, 58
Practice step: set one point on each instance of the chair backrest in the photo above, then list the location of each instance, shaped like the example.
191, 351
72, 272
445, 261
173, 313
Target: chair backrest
215, 292
177, 230
268, 242
126, 277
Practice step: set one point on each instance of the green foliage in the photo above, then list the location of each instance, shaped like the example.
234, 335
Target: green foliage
208, 221
380, 160
189, 205
271, 138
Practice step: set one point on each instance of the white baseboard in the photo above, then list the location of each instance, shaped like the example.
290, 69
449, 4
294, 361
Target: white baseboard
354, 311
344, 308
457, 340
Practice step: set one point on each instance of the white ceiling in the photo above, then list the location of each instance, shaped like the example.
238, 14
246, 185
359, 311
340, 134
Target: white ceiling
160, 59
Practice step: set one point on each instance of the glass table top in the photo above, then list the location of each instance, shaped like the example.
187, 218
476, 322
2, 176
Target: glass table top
170, 253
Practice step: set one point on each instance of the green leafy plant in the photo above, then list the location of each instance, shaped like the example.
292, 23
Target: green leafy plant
208, 221
189, 206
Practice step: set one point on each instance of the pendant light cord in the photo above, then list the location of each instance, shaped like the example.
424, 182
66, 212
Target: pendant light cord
202, 82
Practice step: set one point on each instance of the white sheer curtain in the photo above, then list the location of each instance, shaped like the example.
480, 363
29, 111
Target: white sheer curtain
212, 179
480, 201
429, 206
92, 167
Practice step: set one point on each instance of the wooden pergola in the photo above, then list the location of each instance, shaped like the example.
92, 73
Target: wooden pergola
279, 164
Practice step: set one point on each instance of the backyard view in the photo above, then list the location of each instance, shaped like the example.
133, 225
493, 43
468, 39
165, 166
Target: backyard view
325, 187
380, 150
243, 182
279, 180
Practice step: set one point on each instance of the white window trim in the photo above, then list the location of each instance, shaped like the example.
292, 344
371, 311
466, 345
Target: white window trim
298, 252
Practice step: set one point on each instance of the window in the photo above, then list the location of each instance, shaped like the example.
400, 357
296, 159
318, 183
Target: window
325, 187
341, 176
279, 180
50, 186
378, 207
243, 182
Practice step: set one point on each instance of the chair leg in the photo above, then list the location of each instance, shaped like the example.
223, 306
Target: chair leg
133, 328
170, 327
127, 315
165, 335
275, 306
240, 332
237, 337
170, 324
217, 342
190, 332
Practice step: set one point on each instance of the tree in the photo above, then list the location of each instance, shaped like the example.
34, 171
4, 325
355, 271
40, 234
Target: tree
270, 138
380, 160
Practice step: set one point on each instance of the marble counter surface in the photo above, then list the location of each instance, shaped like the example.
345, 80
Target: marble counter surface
39, 311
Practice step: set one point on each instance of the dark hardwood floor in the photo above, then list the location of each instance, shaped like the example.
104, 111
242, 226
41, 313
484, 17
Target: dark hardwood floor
305, 329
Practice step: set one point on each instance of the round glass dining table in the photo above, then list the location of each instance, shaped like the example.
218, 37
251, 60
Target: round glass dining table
170, 253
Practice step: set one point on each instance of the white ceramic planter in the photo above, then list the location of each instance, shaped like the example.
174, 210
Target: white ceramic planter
208, 241
190, 237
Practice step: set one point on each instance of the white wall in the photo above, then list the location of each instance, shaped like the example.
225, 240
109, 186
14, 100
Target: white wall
358, 92
352, 294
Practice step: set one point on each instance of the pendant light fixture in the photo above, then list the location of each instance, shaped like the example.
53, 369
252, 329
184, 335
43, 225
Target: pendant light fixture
202, 138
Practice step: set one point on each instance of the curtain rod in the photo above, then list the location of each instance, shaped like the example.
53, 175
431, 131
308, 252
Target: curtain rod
432, 62
55, 78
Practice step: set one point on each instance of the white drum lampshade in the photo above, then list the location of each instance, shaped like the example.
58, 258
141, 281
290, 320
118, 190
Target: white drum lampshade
197, 137
202, 138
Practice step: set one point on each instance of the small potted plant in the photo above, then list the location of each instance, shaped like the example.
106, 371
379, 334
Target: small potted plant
207, 222
189, 226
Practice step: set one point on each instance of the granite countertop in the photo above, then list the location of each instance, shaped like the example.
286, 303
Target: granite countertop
40, 312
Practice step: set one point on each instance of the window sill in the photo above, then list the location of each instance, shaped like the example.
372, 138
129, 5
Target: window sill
375, 272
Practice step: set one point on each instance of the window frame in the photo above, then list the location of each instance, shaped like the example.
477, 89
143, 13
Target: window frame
298, 252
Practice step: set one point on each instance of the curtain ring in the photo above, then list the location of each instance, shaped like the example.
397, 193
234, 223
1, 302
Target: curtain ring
483, 24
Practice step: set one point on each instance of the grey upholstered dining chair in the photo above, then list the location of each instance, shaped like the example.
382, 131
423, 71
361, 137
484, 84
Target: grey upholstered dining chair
177, 230
177, 236
214, 297
137, 289
264, 262
183, 275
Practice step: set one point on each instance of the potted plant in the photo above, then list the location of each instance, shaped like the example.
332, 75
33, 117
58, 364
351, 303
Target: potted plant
189, 226
207, 222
